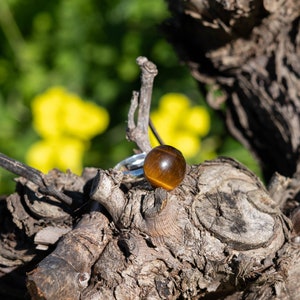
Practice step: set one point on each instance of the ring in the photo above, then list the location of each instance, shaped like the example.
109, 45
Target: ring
132, 165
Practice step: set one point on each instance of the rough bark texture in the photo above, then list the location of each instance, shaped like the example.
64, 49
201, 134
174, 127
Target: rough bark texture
220, 234
249, 49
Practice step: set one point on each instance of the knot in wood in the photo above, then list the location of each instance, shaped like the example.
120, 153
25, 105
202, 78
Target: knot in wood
83, 280
128, 243
154, 203
161, 210
147, 66
233, 205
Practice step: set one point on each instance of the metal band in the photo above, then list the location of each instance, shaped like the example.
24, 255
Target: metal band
133, 165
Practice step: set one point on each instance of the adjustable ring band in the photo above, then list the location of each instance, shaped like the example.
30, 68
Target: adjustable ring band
132, 165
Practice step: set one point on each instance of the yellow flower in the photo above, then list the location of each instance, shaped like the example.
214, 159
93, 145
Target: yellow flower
198, 121
47, 112
84, 120
57, 112
58, 152
66, 123
187, 143
179, 124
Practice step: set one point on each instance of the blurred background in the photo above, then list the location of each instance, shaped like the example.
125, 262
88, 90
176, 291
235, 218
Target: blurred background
67, 72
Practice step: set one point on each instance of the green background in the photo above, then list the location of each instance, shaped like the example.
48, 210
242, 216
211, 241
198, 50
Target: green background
89, 47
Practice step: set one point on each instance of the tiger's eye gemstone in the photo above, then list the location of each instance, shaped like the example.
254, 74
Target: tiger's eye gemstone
164, 166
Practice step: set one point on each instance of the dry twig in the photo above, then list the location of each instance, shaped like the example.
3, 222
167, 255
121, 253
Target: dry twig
138, 133
34, 176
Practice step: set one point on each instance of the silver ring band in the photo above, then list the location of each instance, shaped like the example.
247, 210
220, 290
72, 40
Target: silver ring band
132, 165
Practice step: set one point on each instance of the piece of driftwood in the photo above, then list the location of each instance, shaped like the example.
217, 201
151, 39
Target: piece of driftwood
213, 235
219, 235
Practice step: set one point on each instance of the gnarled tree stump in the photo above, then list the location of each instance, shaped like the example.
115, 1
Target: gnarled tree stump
220, 234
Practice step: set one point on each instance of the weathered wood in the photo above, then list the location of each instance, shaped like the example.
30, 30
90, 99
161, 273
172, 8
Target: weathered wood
220, 234
250, 50
28, 213
139, 132
66, 271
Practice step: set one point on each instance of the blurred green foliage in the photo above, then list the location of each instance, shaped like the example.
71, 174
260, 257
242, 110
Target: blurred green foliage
90, 48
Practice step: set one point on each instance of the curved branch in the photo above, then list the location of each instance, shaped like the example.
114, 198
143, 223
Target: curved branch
138, 133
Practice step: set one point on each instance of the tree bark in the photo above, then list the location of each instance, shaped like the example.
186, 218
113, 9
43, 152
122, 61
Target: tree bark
220, 234
250, 50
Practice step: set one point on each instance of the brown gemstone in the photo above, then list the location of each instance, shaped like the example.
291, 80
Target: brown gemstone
164, 167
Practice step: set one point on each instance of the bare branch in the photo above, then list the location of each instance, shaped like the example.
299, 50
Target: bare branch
133, 106
32, 175
139, 133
